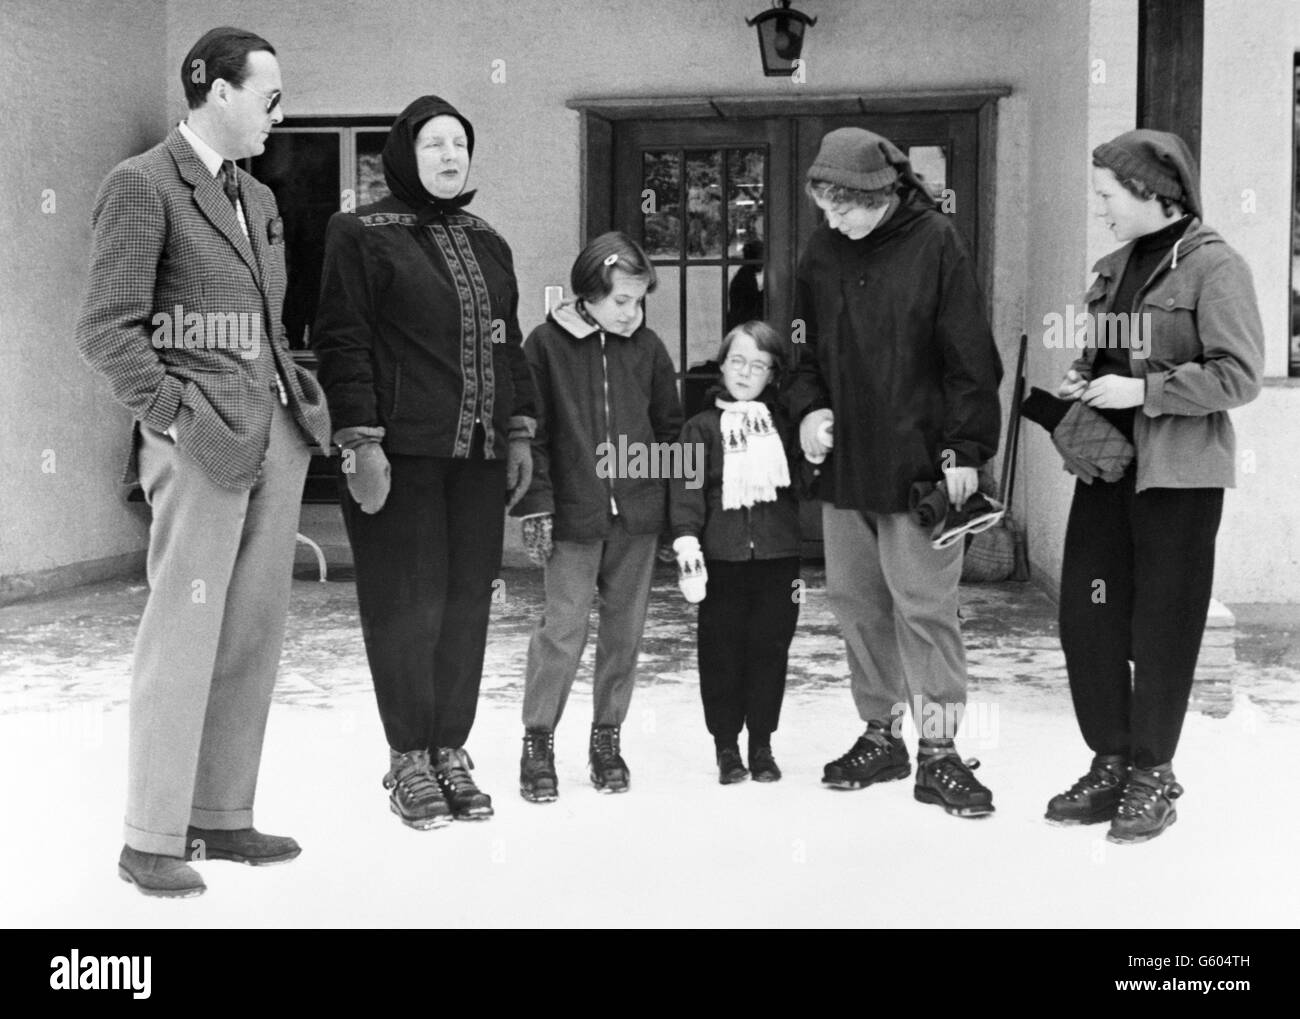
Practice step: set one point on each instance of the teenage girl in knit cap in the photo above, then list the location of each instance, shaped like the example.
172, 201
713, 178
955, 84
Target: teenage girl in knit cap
737, 545
1149, 536
899, 355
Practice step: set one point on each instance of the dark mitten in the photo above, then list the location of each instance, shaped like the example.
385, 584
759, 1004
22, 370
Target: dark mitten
928, 503
1091, 444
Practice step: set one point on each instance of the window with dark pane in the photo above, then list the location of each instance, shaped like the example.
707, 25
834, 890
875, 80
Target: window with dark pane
315, 166
302, 169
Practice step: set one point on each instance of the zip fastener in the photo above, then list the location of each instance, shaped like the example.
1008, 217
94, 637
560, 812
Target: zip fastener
1167, 264
749, 530
604, 368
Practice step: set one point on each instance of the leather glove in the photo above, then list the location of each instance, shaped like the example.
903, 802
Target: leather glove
519, 470
370, 478
692, 577
537, 538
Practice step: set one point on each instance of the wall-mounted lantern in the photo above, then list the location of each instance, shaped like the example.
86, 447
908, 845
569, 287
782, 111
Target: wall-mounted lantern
780, 37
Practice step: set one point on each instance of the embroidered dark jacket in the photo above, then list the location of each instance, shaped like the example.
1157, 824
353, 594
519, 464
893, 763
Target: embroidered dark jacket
417, 329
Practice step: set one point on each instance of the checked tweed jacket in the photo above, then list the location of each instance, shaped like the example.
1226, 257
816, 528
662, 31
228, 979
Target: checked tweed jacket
166, 236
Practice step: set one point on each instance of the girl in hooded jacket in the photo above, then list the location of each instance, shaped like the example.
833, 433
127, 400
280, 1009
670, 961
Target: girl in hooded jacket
608, 404
736, 530
1139, 550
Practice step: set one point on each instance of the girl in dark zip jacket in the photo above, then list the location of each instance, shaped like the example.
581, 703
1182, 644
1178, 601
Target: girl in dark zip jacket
742, 515
609, 415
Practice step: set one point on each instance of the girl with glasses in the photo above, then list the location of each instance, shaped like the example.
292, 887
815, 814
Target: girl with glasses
736, 530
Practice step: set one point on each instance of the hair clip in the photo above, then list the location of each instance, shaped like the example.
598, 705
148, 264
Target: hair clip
611, 259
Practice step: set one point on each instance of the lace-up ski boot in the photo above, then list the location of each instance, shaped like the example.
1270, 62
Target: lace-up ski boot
537, 779
414, 794
1147, 808
1095, 797
609, 773
945, 779
877, 756
467, 801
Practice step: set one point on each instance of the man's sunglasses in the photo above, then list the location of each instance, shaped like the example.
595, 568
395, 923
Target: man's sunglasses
272, 98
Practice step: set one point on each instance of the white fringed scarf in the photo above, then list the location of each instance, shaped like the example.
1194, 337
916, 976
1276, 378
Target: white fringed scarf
753, 459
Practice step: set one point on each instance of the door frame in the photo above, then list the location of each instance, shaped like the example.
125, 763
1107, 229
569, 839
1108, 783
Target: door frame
599, 114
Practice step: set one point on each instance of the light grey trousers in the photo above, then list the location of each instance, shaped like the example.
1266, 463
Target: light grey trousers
895, 599
220, 570
618, 571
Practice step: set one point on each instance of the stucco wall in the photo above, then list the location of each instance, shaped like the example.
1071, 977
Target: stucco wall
527, 155
77, 100
1088, 96
361, 57
1247, 167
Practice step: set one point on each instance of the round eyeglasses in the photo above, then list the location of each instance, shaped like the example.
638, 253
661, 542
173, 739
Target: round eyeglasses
739, 365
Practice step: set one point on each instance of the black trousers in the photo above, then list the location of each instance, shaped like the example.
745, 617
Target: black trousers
1135, 587
425, 567
746, 623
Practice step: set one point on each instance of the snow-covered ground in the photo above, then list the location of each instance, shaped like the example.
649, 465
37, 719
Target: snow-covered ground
678, 849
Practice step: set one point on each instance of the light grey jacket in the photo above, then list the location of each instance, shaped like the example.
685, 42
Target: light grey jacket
1205, 355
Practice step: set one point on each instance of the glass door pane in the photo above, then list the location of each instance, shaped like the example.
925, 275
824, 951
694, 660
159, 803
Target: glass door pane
703, 218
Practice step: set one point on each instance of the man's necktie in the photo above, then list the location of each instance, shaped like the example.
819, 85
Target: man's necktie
230, 181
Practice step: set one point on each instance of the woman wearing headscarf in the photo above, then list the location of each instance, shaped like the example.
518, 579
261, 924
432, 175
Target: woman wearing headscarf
1179, 344
421, 362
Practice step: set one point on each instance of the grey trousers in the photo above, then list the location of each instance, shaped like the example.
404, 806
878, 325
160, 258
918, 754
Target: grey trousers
619, 571
895, 599
220, 569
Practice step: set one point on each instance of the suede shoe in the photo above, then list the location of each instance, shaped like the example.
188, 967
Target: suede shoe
243, 845
945, 779
161, 877
876, 757
730, 767
1095, 797
762, 765
466, 800
1147, 808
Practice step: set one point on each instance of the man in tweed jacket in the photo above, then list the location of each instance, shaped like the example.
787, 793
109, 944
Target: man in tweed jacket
183, 317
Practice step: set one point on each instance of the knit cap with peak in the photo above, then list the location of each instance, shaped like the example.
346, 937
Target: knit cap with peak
854, 157
1160, 160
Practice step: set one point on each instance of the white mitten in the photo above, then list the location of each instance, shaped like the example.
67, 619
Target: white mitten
692, 577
